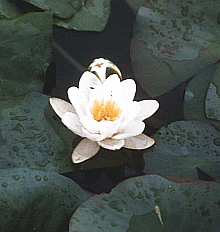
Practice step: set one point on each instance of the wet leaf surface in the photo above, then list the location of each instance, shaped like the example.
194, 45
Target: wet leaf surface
33, 200
131, 207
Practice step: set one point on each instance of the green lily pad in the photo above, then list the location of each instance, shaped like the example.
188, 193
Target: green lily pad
25, 45
92, 16
61, 8
173, 41
8, 9
28, 140
201, 101
33, 200
181, 148
130, 206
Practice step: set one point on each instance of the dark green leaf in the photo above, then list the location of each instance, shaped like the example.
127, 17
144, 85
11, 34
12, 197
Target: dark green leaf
25, 53
131, 206
181, 148
173, 41
28, 140
201, 100
33, 200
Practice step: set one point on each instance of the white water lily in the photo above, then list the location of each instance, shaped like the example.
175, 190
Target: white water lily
105, 115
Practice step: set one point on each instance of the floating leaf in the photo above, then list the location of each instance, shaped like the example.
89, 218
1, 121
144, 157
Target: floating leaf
8, 9
61, 8
92, 16
33, 200
181, 148
25, 45
151, 203
174, 41
28, 140
201, 97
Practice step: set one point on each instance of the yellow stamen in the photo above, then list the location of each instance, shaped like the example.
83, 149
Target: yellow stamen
105, 110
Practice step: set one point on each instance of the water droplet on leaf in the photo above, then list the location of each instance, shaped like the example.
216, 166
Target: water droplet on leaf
16, 177
37, 178
4, 184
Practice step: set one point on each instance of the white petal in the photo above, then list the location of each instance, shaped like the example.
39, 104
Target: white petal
111, 144
86, 149
93, 136
141, 141
129, 89
130, 111
108, 128
90, 125
147, 109
78, 100
112, 87
61, 107
80, 103
72, 122
113, 78
87, 82
133, 129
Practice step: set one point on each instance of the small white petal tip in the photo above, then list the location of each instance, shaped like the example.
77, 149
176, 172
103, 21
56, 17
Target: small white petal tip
60, 106
85, 150
139, 142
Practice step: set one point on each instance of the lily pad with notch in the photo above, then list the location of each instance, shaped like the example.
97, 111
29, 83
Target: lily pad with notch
151, 203
173, 41
201, 100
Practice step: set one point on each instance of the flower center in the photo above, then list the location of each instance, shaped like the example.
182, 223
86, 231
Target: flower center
105, 110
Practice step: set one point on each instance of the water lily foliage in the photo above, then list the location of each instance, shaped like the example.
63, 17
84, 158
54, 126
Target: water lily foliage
104, 113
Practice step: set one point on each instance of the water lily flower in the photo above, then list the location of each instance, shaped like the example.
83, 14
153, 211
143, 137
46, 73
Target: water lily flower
103, 112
